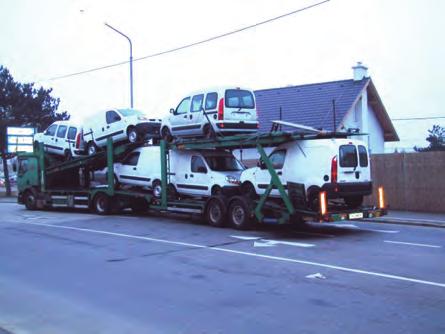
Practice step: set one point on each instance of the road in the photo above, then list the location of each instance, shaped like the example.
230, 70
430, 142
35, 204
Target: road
72, 272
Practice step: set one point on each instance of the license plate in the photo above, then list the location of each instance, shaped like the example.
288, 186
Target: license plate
357, 215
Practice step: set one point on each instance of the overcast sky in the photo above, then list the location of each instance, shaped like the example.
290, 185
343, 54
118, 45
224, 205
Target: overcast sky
401, 41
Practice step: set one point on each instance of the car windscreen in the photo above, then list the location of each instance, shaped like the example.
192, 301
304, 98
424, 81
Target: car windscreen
131, 112
238, 98
223, 163
348, 156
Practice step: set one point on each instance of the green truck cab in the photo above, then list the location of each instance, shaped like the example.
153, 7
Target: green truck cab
28, 179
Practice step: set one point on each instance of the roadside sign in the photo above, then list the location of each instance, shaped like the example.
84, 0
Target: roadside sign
19, 139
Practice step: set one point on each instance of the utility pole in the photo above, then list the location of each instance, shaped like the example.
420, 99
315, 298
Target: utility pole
131, 61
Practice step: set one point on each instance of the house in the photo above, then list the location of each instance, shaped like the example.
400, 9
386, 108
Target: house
356, 102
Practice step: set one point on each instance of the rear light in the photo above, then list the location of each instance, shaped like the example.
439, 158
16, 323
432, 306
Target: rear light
381, 198
221, 110
323, 203
78, 140
334, 170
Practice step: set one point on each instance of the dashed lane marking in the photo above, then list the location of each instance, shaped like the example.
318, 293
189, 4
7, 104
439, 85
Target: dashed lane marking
411, 244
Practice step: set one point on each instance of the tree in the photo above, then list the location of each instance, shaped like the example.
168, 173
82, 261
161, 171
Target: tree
436, 138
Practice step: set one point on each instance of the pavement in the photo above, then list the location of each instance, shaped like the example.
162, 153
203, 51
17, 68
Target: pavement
73, 272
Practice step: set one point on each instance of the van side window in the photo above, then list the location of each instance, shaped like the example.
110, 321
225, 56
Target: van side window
211, 100
112, 116
348, 156
183, 107
363, 156
72, 133
198, 165
277, 159
61, 132
197, 102
51, 131
131, 159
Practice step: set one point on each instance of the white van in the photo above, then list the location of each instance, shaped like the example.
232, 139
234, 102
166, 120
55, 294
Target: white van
338, 166
61, 138
195, 173
118, 124
229, 110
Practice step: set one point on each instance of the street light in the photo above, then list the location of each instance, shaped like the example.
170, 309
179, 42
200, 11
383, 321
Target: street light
131, 60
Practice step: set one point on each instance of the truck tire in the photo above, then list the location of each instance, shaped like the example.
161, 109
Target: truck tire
102, 204
239, 213
216, 211
30, 200
247, 189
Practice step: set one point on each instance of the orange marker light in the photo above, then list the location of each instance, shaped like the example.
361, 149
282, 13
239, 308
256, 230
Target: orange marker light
323, 204
381, 198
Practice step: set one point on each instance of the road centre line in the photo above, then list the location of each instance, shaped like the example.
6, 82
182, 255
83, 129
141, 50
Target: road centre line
411, 244
263, 256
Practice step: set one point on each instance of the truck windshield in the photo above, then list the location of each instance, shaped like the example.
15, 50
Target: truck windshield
237, 98
223, 163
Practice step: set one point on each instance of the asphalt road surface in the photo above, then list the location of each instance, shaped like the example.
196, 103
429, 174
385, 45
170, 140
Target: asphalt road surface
72, 272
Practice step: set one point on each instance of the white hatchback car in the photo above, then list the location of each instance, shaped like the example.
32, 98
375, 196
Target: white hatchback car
120, 125
61, 138
223, 110
338, 166
202, 173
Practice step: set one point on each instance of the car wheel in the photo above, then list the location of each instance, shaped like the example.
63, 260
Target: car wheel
216, 211
248, 190
240, 213
101, 204
166, 135
91, 148
157, 189
353, 202
216, 190
132, 135
68, 155
30, 200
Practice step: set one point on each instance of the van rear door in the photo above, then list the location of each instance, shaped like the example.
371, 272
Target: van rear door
239, 105
353, 163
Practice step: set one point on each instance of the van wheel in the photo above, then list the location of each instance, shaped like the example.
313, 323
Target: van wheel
353, 202
240, 213
166, 135
216, 190
247, 189
30, 200
101, 204
216, 211
157, 188
207, 132
68, 155
91, 148
132, 135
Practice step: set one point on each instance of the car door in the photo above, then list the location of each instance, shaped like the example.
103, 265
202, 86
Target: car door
199, 177
348, 163
196, 115
180, 118
59, 139
49, 138
128, 170
263, 177
71, 138
111, 128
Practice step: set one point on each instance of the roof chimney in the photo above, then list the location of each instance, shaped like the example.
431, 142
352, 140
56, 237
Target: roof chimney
360, 71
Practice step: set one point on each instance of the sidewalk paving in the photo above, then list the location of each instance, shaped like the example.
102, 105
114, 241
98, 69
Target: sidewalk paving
394, 217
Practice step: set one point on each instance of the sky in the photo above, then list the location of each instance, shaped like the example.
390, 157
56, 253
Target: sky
400, 41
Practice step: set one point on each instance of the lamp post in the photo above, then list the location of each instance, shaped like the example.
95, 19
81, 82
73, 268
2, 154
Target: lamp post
131, 61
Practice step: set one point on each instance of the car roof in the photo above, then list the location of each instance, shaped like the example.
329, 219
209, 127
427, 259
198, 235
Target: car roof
68, 123
217, 89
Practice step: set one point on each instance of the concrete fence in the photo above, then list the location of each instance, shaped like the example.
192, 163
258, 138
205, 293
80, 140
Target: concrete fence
412, 181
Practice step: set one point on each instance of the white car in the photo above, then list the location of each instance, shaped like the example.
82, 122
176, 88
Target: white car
338, 166
120, 125
221, 110
61, 138
202, 173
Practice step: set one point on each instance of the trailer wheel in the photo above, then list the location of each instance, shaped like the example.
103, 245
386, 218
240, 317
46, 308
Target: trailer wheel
240, 213
30, 200
101, 204
216, 211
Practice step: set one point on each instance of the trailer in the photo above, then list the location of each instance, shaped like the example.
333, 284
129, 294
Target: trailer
44, 183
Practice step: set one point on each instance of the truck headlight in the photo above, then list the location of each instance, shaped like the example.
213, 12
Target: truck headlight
232, 179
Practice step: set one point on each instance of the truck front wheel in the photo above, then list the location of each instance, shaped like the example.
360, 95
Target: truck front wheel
101, 204
216, 211
30, 200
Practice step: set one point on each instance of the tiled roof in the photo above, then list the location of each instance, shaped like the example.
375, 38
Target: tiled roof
310, 105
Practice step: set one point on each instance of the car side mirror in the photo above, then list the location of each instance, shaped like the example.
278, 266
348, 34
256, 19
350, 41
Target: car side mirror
172, 111
261, 164
202, 169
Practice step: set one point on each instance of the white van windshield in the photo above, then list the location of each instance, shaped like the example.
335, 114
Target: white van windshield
223, 163
131, 112
237, 98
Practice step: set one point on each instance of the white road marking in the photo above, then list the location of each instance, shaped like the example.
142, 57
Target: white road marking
380, 231
263, 256
317, 275
355, 227
415, 220
288, 243
260, 242
245, 237
411, 244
